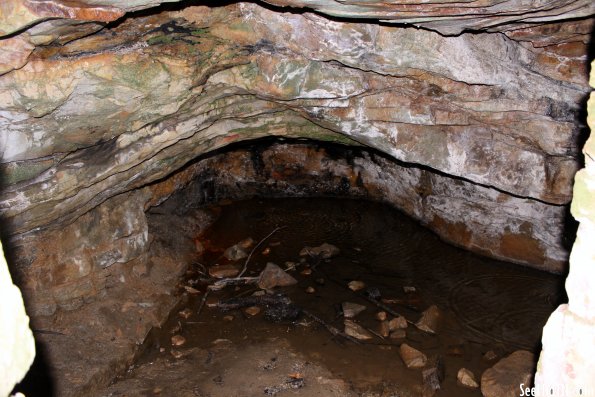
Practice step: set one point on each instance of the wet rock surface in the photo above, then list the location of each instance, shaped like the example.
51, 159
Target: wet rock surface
506, 376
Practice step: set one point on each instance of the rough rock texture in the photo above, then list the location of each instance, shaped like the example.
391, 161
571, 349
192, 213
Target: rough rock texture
477, 107
113, 111
505, 378
566, 364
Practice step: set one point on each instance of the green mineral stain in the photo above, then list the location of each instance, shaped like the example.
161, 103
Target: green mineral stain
163, 39
22, 171
199, 32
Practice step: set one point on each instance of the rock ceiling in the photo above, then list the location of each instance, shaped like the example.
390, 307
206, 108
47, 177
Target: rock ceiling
101, 97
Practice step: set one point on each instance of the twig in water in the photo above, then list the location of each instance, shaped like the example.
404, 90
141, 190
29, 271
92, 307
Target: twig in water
256, 246
202, 302
333, 330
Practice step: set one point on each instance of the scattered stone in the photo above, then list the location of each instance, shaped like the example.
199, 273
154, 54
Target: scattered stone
350, 309
325, 251
252, 310
504, 378
157, 390
162, 350
381, 316
429, 320
466, 378
177, 354
409, 289
413, 358
310, 290
235, 252
228, 318
273, 276
191, 290
357, 331
490, 355
383, 329
397, 323
178, 340
432, 377
306, 272
223, 271
398, 334
266, 251
185, 314
356, 285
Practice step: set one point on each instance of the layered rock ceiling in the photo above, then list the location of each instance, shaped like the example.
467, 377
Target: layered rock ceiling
478, 103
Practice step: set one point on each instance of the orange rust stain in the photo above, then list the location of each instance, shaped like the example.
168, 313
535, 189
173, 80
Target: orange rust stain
457, 232
522, 247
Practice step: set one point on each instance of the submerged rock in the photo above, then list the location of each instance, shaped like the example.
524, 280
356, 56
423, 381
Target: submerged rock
350, 309
238, 251
412, 357
466, 378
356, 285
399, 322
505, 377
324, 251
429, 320
357, 331
273, 276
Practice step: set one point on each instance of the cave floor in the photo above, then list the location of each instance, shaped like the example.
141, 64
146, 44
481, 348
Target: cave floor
485, 306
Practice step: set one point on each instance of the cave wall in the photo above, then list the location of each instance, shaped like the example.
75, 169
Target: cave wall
93, 112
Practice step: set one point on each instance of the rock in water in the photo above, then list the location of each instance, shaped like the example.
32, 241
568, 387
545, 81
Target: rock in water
412, 358
324, 251
505, 377
429, 320
273, 276
357, 331
356, 285
397, 323
350, 309
223, 271
466, 378
237, 251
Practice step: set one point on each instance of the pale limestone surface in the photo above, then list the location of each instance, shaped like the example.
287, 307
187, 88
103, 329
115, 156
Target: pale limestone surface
17, 346
566, 364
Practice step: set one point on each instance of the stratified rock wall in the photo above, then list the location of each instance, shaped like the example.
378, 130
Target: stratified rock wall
91, 111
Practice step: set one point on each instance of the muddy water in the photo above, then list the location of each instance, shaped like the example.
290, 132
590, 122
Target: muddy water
486, 305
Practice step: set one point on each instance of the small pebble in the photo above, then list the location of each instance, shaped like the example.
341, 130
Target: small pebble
252, 310
178, 340
162, 350
409, 289
381, 316
397, 323
266, 251
356, 285
191, 290
310, 290
177, 354
185, 314
228, 318
306, 272
320, 281
490, 355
